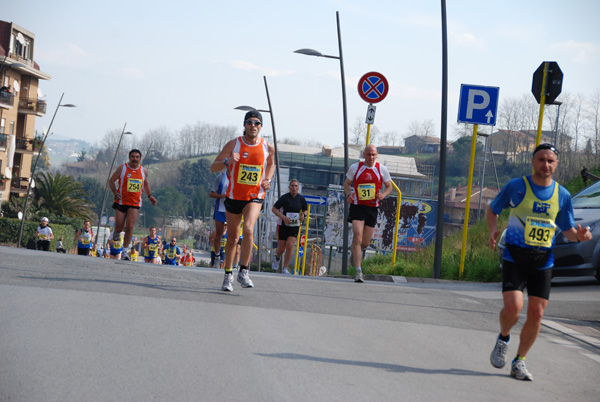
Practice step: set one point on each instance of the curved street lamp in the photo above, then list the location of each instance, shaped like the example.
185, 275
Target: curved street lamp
107, 180
312, 52
31, 175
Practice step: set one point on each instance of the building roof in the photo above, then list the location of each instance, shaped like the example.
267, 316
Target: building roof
457, 196
29, 66
425, 139
398, 166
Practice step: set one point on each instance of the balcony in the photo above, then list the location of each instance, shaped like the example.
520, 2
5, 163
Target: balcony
32, 106
7, 100
18, 185
27, 146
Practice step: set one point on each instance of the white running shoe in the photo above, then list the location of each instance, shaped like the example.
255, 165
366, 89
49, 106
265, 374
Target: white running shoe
285, 271
275, 265
498, 356
124, 254
359, 277
519, 371
244, 279
217, 263
227, 283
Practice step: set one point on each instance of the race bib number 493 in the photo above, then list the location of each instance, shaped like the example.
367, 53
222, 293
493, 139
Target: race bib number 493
134, 185
539, 232
249, 174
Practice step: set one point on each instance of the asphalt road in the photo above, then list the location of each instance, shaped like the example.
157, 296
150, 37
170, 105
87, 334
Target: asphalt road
88, 329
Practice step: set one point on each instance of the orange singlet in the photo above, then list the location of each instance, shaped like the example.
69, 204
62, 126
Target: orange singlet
130, 186
246, 175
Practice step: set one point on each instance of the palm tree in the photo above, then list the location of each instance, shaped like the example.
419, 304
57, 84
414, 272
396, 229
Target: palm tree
62, 195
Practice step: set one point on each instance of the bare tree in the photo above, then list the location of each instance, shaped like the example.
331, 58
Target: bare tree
358, 131
428, 128
185, 141
593, 117
390, 138
108, 146
158, 144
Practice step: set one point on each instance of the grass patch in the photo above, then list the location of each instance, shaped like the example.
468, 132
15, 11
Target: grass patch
481, 263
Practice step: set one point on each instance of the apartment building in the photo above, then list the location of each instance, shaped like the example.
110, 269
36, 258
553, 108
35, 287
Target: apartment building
21, 101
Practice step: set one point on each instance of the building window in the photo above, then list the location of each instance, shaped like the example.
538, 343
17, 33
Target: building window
12, 128
22, 46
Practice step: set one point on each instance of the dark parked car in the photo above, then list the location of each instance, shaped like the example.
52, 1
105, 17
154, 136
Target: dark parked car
572, 258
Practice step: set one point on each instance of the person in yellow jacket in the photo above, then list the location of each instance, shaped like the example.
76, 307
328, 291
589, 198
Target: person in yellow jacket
94, 251
133, 255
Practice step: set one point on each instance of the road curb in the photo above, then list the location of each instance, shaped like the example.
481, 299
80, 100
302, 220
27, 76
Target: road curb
595, 342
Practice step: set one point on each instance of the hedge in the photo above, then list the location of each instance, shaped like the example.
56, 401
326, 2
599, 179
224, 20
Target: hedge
9, 233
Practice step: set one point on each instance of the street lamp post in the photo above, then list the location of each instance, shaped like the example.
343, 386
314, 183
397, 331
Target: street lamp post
558, 103
31, 175
107, 180
312, 52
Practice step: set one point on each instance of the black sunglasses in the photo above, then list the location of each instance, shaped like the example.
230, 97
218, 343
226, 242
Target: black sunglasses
545, 146
253, 122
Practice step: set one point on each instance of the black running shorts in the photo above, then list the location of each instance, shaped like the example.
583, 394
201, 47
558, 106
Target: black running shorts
516, 277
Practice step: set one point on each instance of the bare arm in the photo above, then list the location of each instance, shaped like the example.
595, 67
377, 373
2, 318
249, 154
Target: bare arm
387, 191
112, 180
348, 190
578, 234
147, 188
270, 171
227, 152
492, 221
281, 216
214, 194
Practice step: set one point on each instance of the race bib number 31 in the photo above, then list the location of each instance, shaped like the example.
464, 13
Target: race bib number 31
249, 174
366, 191
134, 185
539, 232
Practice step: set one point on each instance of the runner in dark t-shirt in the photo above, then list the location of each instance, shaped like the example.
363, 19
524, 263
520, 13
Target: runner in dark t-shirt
291, 210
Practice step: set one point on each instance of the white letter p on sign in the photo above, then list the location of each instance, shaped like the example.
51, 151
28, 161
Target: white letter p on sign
471, 105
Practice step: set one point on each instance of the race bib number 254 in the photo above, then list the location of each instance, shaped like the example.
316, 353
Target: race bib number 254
134, 185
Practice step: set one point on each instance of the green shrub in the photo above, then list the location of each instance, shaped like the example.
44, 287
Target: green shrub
9, 233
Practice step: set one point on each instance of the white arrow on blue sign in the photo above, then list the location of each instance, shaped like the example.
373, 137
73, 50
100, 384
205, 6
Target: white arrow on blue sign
315, 200
478, 104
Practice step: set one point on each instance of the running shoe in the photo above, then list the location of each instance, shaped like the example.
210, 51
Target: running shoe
275, 265
519, 371
244, 279
227, 283
217, 264
359, 277
498, 356
125, 254
285, 271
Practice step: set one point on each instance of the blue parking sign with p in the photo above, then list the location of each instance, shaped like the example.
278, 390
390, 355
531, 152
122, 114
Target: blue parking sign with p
478, 104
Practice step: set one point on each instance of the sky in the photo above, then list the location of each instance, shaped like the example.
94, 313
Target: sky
153, 64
